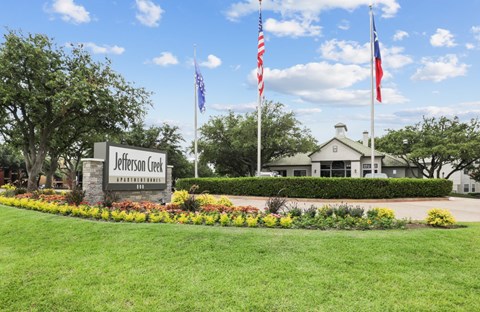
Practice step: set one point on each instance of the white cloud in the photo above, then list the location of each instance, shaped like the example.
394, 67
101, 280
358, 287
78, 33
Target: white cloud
148, 13
307, 111
239, 108
354, 53
165, 59
443, 68
324, 83
70, 11
469, 46
438, 111
212, 62
291, 28
476, 32
442, 38
104, 49
307, 9
400, 35
344, 25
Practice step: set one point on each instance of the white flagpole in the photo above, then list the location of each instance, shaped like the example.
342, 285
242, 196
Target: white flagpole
259, 120
372, 107
195, 108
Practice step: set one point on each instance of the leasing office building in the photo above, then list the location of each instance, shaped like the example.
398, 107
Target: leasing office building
344, 157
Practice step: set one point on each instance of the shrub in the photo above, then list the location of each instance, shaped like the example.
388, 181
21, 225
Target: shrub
206, 199
75, 197
9, 186
293, 210
239, 221
178, 197
357, 212
140, 217
252, 221
326, 211
286, 222
224, 219
183, 218
105, 214
313, 187
440, 217
270, 220
210, 219
385, 213
311, 212
275, 203
190, 204
197, 219
224, 201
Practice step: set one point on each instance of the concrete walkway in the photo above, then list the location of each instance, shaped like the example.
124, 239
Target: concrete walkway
463, 209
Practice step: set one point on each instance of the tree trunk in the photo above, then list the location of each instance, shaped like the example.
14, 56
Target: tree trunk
50, 172
33, 173
33, 164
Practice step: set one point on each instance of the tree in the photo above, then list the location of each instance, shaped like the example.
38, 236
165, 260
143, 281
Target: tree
230, 142
44, 91
434, 143
166, 138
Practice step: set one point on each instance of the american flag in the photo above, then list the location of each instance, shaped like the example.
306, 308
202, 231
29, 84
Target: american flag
378, 62
261, 51
200, 88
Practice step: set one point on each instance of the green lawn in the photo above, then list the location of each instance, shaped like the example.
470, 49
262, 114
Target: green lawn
55, 263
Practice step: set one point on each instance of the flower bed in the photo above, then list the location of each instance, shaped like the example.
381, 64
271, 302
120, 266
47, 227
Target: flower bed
341, 216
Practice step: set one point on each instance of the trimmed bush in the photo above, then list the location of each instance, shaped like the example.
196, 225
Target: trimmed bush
440, 217
312, 187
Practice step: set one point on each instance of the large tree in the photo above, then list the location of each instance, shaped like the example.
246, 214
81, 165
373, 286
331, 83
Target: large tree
45, 90
230, 142
166, 138
434, 143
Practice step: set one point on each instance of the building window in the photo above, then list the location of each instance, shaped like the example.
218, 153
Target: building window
473, 188
337, 169
335, 148
299, 173
466, 188
325, 170
367, 168
283, 173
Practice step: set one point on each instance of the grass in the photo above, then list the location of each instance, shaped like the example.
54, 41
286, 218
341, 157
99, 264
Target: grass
54, 263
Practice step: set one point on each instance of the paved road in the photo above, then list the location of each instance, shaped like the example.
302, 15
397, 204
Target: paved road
463, 209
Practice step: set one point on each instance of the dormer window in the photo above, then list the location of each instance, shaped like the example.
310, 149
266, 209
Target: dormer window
335, 148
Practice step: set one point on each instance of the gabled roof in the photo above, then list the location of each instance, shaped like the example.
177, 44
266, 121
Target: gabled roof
300, 159
356, 146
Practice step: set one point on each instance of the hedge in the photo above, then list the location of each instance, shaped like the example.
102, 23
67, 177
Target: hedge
312, 187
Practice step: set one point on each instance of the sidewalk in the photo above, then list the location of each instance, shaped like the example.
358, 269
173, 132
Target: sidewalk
463, 209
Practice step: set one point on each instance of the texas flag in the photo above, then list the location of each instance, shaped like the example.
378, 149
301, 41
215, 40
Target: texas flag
378, 62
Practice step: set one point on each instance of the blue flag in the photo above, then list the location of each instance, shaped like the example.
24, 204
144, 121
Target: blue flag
200, 88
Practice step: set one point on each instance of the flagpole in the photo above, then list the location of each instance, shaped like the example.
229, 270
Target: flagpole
372, 107
195, 110
259, 119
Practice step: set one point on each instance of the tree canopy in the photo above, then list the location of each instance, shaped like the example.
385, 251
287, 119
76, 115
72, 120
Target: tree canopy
166, 138
434, 143
230, 142
48, 97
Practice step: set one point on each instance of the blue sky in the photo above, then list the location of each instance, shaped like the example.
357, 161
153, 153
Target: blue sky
316, 59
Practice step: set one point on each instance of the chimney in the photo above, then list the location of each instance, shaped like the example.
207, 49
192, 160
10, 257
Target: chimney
365, 138
340, 130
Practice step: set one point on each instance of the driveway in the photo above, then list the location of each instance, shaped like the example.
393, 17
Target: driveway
463, 209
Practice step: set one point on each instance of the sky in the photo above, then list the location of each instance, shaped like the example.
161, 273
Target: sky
317, 59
